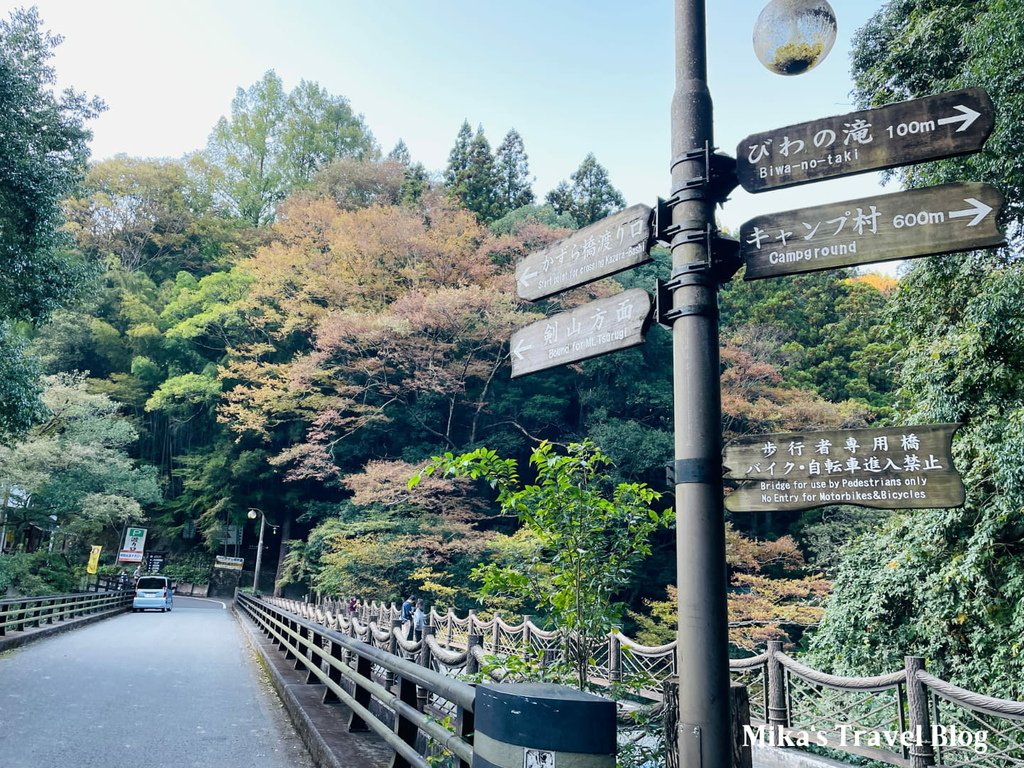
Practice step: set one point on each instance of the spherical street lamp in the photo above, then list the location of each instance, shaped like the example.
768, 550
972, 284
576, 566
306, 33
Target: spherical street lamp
793, 36
251, 514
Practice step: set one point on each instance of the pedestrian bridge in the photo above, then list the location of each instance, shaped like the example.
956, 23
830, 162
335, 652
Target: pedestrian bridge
193, 688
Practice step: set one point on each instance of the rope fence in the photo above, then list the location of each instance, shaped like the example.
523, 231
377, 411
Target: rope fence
906, 718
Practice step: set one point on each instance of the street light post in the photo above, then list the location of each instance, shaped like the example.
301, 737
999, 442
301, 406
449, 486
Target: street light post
259, 547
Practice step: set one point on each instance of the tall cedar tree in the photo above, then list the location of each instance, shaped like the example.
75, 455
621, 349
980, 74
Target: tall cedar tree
512, 175
457, 171
591, 195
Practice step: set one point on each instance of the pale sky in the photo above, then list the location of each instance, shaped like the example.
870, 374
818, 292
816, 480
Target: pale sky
572, 77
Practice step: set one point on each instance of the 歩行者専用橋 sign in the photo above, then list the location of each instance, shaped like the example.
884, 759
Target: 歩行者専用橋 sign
887, 468
602, 326
929, 128
611, 245
903, 225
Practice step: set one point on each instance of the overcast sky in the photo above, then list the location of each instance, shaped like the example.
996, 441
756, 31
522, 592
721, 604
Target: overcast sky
572, 77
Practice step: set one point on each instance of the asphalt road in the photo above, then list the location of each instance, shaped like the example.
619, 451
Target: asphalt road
144, 690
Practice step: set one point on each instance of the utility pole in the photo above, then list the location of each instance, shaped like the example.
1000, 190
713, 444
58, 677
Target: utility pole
703, 664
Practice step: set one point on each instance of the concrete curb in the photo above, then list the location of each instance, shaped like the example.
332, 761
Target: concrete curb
24, 637
320, 726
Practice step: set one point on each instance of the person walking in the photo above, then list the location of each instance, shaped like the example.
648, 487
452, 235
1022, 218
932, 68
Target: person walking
419, 620
408, 608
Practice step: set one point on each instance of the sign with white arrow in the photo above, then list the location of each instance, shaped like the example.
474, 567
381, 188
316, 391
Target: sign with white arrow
602, 326
904, 225
616, 243
930, 128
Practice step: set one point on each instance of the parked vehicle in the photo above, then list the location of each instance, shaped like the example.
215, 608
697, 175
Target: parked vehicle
153, 592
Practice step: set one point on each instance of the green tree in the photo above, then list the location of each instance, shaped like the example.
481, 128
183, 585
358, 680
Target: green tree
591, 195
75, 466
470, 176
456, 172
512, 175
43, 156
585, 535
274, 143
948, 584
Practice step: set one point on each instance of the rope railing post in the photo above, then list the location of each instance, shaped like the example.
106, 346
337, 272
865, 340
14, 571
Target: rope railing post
670, 720
527, 640
472, 663
778, 717
389, 676
614, 656
496, 633
739, 716
472, 623
922, 753
423, 695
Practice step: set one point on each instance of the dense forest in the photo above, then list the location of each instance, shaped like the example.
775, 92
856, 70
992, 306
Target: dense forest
295, 320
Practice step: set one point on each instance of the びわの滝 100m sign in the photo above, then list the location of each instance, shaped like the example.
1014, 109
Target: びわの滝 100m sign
928, 128
887, 468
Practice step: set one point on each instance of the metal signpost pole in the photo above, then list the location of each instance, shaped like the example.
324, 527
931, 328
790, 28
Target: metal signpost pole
703, 736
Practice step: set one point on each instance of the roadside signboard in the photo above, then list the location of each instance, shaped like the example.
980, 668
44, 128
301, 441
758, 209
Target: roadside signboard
887, 468
134, 545
930, 128
903, 225
616, 243
602, 326
228, 563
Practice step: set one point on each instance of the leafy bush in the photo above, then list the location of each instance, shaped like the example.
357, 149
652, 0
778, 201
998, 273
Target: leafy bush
193, 568
37, 573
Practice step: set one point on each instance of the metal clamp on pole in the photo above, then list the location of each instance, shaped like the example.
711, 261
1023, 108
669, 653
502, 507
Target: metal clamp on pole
717, 180
665, 312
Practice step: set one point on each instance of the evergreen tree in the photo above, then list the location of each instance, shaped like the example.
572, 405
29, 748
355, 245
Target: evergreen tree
591, 196
479, 193
400, 153
416, 181
512, 175
458, 162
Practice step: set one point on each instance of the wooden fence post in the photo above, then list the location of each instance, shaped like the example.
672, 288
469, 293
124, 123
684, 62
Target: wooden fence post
614, 656
778, 717
472, 665
922, 753
389, 676
739, 716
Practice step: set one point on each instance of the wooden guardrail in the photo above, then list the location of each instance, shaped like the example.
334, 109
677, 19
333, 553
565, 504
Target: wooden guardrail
22, 613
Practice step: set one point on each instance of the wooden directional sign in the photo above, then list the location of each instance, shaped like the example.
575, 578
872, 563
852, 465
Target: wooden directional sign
945, 125
602, 326
615, 243
904, 225
888, 468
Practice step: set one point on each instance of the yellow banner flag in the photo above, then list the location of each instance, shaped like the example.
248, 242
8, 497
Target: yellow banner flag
94, 560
